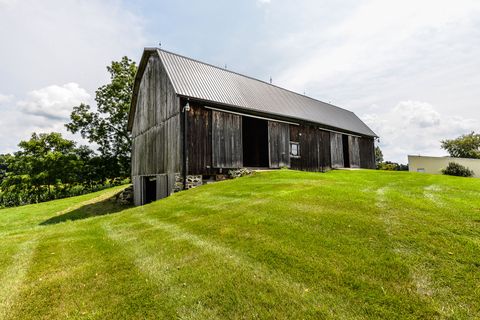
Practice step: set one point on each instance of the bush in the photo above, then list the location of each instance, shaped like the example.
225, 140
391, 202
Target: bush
455, 169
392, 166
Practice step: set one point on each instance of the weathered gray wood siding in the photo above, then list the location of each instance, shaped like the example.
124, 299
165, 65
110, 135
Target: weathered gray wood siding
336, 147
314, 148
162, 186
137, 190
279, 144
227, 149
156, 130
354, 151
325, 158
199, 140
367, 153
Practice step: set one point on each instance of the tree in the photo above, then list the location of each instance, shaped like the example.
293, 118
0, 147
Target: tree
45, 163
378, 155
107, 125
3, 166
465, 146
47, 167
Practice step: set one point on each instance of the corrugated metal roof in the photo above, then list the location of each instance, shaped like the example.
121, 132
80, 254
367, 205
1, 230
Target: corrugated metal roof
195, 79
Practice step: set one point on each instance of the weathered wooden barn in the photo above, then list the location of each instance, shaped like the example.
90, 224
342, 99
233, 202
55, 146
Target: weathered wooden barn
191, 120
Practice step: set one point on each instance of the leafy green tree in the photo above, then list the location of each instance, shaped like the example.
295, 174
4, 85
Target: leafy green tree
3, 166
45, 165
107, 125
96, 170
465, 146
378, 155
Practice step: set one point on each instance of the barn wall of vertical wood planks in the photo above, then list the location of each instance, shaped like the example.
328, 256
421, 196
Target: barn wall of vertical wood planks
215, 141
279, 144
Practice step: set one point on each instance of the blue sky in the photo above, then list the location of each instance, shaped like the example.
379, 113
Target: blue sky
409, 69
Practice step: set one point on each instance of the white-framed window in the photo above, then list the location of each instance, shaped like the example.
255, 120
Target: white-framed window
294, 149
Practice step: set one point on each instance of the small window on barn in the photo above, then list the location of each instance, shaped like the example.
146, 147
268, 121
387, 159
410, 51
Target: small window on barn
294, 149
421, 170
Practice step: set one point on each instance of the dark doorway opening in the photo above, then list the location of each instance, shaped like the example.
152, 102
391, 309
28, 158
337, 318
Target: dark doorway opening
346, 152
255, 142
150, 189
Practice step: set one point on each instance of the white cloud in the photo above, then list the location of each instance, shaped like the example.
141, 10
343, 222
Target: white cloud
54, 102
42, 111
5, 98
60, 41
414, 127
369, 55
365, 56
377, 37
7, 2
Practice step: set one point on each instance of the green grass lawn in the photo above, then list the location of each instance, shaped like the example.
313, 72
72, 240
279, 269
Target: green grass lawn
280, 245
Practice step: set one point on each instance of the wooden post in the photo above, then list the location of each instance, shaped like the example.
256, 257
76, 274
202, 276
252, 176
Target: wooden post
185, 110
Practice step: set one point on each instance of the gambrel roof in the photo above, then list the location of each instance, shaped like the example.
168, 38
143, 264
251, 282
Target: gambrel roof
197, 80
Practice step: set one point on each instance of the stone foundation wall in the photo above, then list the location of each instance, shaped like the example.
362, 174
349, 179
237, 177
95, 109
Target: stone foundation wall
197, 180
192, 182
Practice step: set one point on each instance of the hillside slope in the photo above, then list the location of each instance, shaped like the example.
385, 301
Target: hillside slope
281, 244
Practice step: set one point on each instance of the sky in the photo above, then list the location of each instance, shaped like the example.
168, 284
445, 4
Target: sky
409, 69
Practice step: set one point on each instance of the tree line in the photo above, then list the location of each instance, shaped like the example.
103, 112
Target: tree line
48, 166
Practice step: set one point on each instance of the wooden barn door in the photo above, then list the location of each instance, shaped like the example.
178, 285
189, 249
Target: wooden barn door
324, 153
226, 140
279, 144
336, 146
353, 143
367, 153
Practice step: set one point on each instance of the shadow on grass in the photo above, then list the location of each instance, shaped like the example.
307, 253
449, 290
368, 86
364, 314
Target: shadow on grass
101, 208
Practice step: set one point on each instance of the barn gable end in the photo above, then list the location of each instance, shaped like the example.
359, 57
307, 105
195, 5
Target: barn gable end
156, 133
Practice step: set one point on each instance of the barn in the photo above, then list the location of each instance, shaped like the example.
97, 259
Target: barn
192, 121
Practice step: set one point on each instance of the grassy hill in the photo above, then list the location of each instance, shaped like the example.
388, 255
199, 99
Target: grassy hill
282, 244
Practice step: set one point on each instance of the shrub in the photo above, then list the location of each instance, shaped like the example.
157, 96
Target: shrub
455, 169
391, 166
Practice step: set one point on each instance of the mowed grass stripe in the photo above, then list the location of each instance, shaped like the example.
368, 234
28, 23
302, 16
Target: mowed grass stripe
155, 259
220, 268
28, 219
77, 272
13, 277
440, 235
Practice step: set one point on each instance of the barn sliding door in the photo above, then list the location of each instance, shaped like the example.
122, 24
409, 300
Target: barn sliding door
336, 146
354, 150
279, 144
367, 153
226, 140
